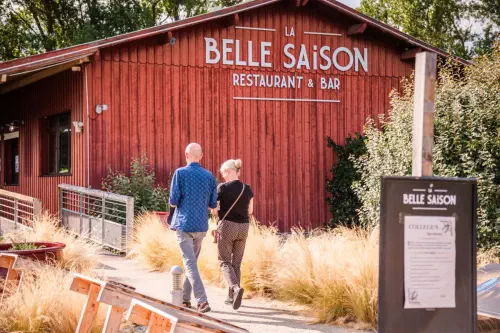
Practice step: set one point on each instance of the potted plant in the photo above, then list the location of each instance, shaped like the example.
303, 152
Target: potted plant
39, 251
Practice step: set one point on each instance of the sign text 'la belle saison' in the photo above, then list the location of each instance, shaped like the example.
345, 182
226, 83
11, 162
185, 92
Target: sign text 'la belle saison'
232, 52
323, 57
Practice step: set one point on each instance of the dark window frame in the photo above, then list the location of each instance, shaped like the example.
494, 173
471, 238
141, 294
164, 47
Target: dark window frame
46, 146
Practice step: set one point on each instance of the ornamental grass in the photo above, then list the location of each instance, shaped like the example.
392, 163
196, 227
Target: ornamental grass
44, 303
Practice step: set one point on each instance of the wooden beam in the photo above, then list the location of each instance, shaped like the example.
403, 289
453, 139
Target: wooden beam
13, 85
7, 262
76, 69
3, 78
113, 320
89, 311
81, 284
411, 53
145, 314
121, 297
231, 20
423, 113
356, 29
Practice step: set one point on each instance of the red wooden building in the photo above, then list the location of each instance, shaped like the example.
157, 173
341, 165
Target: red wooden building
265, 81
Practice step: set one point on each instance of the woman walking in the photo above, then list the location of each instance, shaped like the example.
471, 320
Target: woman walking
235, 207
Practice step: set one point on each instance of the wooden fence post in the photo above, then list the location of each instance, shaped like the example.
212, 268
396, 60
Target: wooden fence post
423, 113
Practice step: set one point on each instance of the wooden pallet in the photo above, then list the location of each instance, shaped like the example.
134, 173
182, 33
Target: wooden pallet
159, 316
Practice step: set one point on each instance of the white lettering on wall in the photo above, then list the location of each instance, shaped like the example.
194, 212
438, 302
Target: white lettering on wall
341, 58
226, 50
264, 52
211, 47
291, 33
238, 60
358, 59
251, 62
336, 62
325, 57
289, 56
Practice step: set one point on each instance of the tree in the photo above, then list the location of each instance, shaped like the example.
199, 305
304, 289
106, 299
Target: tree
447, 24
32, 26
466, 141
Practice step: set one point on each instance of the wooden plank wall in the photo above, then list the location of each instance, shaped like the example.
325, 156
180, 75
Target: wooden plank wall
57, 94
161, 97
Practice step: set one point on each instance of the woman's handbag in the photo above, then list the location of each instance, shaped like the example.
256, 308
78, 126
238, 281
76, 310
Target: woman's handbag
215, 233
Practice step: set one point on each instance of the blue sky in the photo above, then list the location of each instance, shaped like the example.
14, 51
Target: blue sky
352, 3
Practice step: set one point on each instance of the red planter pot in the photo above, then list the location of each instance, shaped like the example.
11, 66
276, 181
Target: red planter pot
48, 253
163, 217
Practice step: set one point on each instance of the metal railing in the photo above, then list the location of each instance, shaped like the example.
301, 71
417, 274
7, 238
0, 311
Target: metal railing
17, 211
103, 217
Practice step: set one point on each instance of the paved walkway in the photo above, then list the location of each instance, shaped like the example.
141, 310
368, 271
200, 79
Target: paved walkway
257, 315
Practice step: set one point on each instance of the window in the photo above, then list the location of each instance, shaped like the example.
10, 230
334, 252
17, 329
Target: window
11, 161
56, 150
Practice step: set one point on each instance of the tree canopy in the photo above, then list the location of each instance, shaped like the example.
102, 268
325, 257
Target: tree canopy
29, 27
452, 25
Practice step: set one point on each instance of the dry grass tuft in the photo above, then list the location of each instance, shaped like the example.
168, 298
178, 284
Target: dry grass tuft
334, 273
44, 304
261, 252
154, 245
79, 254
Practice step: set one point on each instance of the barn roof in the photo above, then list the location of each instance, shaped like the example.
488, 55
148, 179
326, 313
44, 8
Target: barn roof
50, 63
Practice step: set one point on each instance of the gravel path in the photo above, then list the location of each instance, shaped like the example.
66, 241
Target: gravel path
256, 315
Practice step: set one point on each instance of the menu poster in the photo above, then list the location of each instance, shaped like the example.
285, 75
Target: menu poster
429, 262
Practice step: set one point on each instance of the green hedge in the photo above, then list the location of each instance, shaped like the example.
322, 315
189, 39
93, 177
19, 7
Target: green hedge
343, 202
466, 143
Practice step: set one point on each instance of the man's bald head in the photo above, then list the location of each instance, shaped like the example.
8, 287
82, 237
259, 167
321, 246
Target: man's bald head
193, 152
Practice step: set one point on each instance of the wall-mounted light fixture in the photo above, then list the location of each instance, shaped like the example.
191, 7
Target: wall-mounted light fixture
12, 125
100, 108
78, 126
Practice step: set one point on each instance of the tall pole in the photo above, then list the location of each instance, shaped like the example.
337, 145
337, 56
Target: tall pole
423, 113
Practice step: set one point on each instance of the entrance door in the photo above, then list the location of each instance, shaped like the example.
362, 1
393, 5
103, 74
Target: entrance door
11, 163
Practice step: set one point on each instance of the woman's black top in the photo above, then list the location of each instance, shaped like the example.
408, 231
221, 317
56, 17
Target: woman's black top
227, 193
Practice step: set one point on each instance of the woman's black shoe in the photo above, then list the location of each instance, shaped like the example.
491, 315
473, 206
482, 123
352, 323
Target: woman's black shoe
238, 296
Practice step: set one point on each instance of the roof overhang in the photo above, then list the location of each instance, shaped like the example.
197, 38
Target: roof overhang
19, 79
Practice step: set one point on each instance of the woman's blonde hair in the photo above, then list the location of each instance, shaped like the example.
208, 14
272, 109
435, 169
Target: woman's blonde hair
231, 164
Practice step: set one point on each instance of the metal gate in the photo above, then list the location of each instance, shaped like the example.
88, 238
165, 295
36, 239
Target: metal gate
103, 217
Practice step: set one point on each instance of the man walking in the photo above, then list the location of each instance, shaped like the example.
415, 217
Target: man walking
192, 192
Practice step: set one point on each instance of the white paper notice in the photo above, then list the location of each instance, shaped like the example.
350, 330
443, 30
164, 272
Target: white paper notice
430, 258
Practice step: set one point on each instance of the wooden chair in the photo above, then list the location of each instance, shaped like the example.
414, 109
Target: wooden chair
13, 277
119, 299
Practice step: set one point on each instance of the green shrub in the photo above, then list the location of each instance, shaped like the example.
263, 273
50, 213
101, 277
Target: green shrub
344, 203
141, 184
466, 143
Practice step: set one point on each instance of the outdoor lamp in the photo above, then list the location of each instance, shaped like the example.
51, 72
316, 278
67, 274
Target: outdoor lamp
78, 126
176, 285
12, 126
